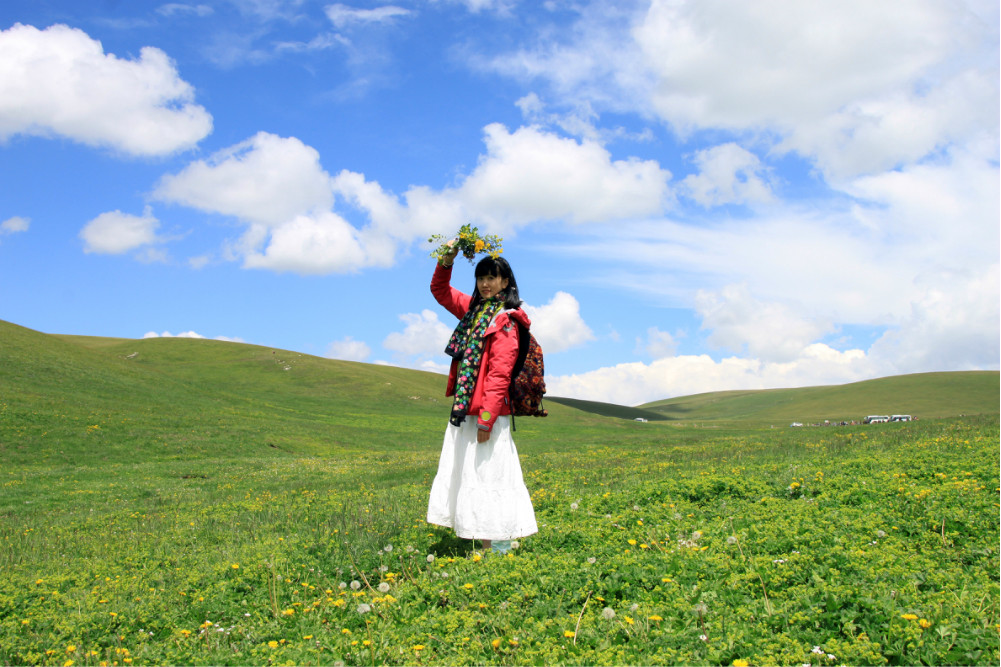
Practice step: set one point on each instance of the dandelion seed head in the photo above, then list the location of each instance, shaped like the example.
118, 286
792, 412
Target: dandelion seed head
430, 558
388, 548
364, 608
573, 507
732, 539
592, 560
355, 585
608, 613
384, 587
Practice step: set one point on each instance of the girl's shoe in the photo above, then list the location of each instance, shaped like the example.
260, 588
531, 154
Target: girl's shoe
501, 546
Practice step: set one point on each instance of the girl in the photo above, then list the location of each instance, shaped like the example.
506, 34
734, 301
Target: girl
479, 491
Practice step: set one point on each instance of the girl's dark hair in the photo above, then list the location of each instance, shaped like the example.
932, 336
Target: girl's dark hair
497, 266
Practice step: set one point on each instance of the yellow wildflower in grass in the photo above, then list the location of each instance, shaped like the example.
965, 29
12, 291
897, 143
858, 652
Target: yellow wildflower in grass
71, 648
307, 637
235, 566
418, 647
366, 642
629, 620
273, 644
631, 542
467, 586
924, 623
740, 663
496, 643
569, 634
655, 617
288, 612
909, 617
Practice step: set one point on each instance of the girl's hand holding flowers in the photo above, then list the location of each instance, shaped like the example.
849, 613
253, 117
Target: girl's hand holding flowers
469, 242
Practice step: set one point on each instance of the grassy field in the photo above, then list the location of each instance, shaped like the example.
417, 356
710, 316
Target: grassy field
173, 501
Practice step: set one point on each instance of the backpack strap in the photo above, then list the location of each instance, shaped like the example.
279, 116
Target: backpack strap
519, 363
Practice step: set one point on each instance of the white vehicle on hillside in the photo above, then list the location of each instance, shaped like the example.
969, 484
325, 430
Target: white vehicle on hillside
876, 419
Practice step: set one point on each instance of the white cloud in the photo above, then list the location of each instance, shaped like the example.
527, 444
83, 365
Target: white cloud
59, 81
728, 174
181, 9
191, 334
14, 225
342, 15
167, 334
954, 324
424, 337
658, 344
115, 233
348, 349
772, 332
266, 180
278, 189
637, 383
857, 85
316, 244
558, 325
529, 175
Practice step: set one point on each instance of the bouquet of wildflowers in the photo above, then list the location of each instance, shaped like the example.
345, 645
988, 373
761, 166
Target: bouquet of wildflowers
469, 242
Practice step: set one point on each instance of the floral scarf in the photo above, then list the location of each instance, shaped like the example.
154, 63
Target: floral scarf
466, 345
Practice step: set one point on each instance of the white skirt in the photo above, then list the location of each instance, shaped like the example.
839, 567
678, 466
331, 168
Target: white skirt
479, 491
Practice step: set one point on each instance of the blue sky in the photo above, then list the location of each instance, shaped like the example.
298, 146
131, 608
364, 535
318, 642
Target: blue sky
695, 196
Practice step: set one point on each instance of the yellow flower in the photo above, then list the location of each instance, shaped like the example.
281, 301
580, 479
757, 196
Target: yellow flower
628, 620
909, 617
632, 543
924, 623
70, 648
418, 647
273, 644
307, 636
367, 642
235, 566
739, 663
479, 245
288, 612
496, 643
655, 617
468, 586
568, 634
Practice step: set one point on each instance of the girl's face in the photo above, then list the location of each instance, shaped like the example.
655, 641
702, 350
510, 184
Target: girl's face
489, 286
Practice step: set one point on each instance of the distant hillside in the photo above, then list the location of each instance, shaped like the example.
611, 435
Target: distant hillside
608, 409
923, 395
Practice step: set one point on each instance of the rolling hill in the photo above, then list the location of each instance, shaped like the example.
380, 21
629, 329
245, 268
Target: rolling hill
923, 395
189, 391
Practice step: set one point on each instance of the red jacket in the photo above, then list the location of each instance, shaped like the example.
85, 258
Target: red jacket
500, 350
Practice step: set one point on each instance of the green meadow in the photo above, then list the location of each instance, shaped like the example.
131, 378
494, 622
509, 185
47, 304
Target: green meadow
175, 501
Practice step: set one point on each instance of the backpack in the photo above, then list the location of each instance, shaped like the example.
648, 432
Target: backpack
527, 378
